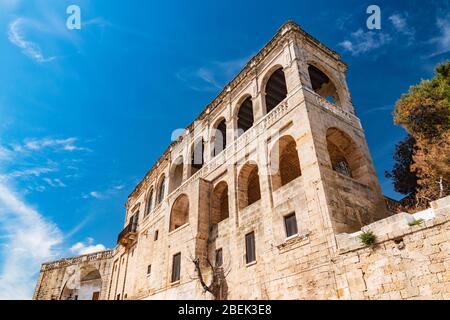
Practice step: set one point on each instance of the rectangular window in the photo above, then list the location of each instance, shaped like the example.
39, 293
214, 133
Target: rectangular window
290, 224
156, 235
118, 296
250, 254
219, 258
176, 264
95, 295
149, 269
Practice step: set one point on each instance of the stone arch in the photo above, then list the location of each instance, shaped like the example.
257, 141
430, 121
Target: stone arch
219, 137
275, 89
244, 115
249, 190
219, 203
285, 164
150, 199
196, 156
179, 215
83, 284
176, 174
323, 84
345, 156
161, 189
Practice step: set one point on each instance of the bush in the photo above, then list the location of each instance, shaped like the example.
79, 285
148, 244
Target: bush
417, 222
368, 238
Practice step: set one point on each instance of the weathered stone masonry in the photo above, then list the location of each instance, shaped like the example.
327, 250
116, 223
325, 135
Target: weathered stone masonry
281, 138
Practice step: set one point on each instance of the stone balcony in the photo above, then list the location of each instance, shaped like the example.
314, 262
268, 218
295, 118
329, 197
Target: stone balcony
128, 235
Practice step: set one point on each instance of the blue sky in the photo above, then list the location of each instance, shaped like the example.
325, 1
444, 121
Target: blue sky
85, 113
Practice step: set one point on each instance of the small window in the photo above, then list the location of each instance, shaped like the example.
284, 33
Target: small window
149, 269
176, 264
219, 257
290, 223
156, 235
118, 296
250, 255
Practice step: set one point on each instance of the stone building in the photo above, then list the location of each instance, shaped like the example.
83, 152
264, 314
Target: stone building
269, 186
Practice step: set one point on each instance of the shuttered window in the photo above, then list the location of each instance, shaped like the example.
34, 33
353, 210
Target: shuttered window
290, 223
176, 264
250, 254
219, 257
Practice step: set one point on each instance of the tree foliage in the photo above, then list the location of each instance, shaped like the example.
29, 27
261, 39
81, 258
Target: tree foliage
405, 180
425, 114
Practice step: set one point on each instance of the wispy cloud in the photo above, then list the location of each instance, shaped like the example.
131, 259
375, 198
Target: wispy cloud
86, 247
379, 109
29, 48
30, 239
212, 76
55, 183
362, 42
102, 195
400, 24
95, 194
442, 41
63, 144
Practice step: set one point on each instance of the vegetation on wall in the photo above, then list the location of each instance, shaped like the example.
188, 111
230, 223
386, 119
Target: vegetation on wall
368, 238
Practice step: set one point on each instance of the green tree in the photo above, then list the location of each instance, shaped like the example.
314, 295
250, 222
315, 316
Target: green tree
425, 114
403, 178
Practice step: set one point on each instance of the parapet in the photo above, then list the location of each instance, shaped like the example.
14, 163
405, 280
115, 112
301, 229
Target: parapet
397, 226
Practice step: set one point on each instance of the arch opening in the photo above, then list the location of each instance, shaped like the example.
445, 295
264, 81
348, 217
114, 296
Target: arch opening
161, 189
197, 157
176, 174
220, 138
322, 85
245, 117
276, 89
248, 185
285, 162
179, 214
220, 206
149, 203
344, 154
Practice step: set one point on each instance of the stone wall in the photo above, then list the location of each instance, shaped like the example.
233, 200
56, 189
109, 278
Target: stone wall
407, 262
57, 279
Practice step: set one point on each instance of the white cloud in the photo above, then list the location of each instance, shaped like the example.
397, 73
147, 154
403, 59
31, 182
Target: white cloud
101, 195
81, 248
30, 241
9, 4
97, 195
400, 24
443, 39
5, 154
363, 42
213, 76
63, 144
36, 172
55, 183
29, 48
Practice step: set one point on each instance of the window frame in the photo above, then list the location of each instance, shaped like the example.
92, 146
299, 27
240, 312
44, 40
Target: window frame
250, 248
288, 219
176, 274
219, 258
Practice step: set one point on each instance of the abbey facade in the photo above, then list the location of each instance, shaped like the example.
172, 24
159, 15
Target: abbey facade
264, 197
